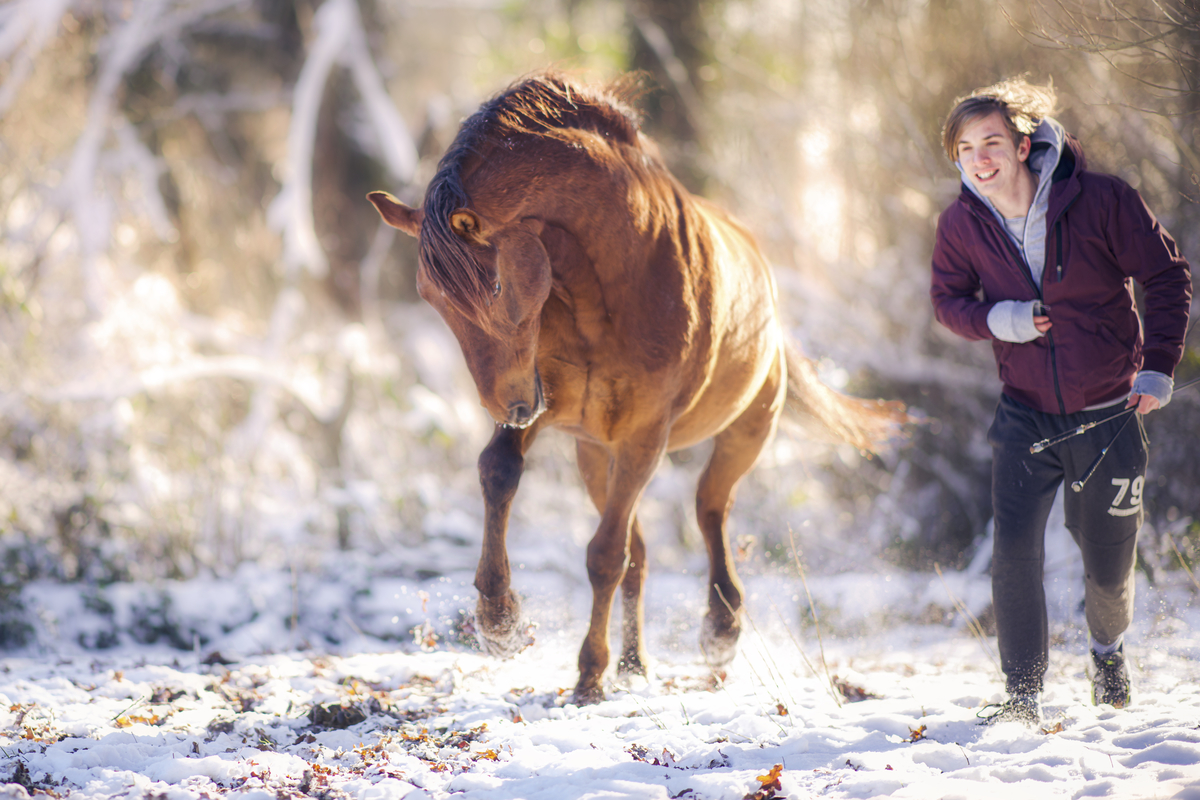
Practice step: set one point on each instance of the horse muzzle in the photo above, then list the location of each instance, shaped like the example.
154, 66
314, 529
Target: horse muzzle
520, 413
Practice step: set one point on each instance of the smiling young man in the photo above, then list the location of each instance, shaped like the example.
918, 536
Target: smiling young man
1039, 255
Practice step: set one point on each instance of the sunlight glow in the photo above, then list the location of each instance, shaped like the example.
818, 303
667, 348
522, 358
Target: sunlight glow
821, 196
821, 204
814, 145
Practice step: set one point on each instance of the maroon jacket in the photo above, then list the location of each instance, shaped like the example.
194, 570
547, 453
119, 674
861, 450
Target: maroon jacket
1099, 234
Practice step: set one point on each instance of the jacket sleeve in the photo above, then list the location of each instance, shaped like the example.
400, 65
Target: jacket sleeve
1148, 254
955, 288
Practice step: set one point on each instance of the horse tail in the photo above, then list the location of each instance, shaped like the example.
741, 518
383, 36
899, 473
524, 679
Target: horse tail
869, 425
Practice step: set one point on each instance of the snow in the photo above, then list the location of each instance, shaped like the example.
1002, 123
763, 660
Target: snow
394, 719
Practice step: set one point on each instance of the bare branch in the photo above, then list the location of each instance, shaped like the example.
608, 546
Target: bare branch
339, 38
120, 54
1135, 39
25, 28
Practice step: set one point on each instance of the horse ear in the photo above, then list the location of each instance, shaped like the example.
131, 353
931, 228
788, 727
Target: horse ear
397, 214
465, 223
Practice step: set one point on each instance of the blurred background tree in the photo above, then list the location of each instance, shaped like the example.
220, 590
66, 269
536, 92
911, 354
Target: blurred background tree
211, 350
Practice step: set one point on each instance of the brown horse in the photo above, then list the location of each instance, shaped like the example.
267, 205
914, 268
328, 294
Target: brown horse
592, 293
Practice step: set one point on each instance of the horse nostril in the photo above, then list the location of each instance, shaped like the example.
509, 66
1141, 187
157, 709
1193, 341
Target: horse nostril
519, 412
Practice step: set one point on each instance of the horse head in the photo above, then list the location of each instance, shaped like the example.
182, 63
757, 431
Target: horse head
483, 265
498, 327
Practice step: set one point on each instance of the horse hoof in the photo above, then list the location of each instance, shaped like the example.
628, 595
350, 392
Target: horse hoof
633, 664
498, 625
719, 643
587, 695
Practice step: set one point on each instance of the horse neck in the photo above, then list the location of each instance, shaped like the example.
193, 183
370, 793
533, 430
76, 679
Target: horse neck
621, 215
620, 208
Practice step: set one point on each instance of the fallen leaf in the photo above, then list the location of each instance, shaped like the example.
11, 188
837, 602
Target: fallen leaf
853, 694
126, 720
771, 785
772, 776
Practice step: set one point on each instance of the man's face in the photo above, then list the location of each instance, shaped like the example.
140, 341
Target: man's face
994, 165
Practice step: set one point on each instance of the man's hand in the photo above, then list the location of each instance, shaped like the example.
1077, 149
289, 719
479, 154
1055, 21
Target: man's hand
1018, 321
1151, 390
1145, 403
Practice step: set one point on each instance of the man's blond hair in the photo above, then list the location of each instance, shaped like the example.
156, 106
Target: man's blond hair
1021, 104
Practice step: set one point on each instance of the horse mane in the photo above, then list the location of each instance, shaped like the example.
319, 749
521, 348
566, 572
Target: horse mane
547, 104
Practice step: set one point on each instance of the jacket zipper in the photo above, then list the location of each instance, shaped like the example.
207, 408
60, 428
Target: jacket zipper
1062, 407
1058, 249
1058, 265
1020, 261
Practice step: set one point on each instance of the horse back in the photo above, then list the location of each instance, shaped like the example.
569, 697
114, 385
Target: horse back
740, 312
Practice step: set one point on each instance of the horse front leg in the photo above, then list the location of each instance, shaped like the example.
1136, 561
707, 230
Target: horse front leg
498, 623
595, 466
608, 555
734, 452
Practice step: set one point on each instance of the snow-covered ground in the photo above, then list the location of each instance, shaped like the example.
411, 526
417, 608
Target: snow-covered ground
373, 717
294, 670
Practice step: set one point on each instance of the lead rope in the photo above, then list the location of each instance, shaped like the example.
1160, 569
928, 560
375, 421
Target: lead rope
1128, 413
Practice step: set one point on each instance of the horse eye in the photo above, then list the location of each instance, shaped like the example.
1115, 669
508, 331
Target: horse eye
496, 288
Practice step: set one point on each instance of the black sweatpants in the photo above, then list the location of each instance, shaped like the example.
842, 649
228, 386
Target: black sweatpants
1103, 519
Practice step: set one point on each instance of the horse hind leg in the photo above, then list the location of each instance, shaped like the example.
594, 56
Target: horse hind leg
594, 464
498, 623
734, 452
634, 659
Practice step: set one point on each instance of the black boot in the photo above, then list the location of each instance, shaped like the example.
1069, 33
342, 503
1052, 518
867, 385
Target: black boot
1110, 678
